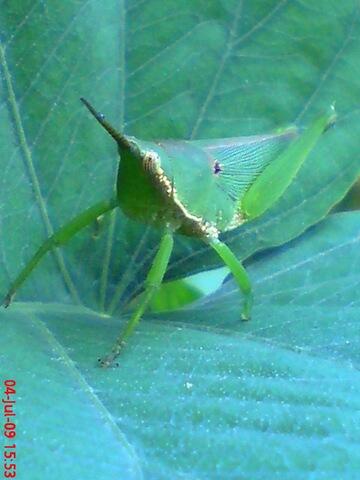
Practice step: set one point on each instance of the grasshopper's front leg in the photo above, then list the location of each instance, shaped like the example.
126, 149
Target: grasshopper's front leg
152, 283
62, 236
239, 272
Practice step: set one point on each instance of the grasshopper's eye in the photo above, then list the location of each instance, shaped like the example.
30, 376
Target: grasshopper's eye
217, 167
151, 161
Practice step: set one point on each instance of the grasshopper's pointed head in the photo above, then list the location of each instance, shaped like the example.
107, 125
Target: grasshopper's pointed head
124, 142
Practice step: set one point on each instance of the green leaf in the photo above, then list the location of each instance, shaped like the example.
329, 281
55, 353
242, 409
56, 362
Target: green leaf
175, 69
174, 295
200, 394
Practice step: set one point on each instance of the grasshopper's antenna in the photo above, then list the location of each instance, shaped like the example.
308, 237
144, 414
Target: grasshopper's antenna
117, 136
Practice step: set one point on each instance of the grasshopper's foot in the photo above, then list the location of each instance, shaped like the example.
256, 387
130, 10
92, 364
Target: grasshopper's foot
246, 312
8, 299
109, 360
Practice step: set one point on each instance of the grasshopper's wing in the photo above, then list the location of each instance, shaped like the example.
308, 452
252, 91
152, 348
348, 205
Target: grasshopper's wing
239, 161
278, 175
211, 176
256, 171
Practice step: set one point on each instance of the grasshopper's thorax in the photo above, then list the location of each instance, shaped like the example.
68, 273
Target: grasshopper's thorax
137, 195
146, 193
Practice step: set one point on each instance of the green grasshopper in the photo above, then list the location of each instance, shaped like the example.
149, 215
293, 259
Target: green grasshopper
195, 188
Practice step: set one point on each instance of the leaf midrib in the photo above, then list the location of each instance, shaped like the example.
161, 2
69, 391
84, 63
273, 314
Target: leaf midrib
30, 168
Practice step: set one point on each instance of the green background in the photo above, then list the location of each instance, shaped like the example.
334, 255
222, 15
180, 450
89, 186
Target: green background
198, 394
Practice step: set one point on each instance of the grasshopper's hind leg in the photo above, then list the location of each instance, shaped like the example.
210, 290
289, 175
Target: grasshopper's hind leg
62, 236
279, 174
152, 283
239, 272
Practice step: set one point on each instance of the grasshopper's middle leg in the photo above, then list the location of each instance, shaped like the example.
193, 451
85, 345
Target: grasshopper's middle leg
152, 283
239, 272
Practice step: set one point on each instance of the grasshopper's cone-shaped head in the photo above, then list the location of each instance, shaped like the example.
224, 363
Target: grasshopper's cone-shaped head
121, 140
142, 191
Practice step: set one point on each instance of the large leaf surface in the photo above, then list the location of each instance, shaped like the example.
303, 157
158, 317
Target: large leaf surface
198, 394
160, 69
